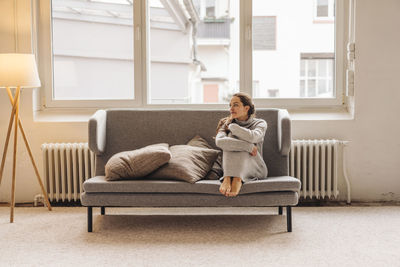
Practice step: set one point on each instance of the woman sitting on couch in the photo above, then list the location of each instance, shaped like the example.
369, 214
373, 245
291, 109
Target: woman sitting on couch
241, 137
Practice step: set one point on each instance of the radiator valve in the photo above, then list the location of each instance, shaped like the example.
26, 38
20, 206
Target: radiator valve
39, 199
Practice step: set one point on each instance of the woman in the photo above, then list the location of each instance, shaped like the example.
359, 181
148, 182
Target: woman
241, 137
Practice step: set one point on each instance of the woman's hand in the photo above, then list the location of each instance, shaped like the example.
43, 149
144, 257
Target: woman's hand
227, 122
254, 151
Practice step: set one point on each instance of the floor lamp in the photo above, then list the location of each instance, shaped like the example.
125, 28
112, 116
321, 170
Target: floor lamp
18, 71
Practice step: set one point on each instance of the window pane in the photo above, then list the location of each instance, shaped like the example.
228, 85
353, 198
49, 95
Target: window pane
331, 65
322, 68
184, 65
92, 50
324, 81
299, 44
210, 8
302, 68
273, 92
311, 88
302, 88
322, 8
322, 86
312, 68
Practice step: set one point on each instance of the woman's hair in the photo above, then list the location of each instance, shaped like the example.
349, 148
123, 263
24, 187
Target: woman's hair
246, 101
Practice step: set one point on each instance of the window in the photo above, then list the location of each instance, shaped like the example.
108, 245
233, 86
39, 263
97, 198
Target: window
324, 10
92, 62
264, 33
282, 68
273, 92
141, 53
210, 8
316, 72
210, 93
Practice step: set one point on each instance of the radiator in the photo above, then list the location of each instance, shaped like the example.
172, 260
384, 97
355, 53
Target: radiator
315, 163
65, 167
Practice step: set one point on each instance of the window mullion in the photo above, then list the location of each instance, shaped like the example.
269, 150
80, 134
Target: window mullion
145, 52
138, 48
246, 75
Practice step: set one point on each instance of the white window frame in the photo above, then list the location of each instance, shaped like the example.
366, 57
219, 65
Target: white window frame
142, 71
44, 40
339, 82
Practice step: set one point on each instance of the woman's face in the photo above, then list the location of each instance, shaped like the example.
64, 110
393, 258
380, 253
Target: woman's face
238, 111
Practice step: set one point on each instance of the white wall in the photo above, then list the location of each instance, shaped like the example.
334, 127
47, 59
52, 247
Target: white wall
83, 62
175, 59
373, 155
216, 60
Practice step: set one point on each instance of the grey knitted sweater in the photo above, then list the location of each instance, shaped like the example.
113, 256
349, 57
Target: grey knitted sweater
238, 144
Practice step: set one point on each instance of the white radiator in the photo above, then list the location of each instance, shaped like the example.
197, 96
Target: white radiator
65, 167
315, 163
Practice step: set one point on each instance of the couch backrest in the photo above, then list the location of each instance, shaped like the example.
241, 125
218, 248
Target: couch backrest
128, 129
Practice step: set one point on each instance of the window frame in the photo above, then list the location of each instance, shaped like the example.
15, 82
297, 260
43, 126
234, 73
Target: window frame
339, 82
46, 70
142, 72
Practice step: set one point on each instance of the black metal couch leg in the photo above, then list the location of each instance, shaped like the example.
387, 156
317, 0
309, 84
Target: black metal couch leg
103, 210
90, 219
280, 210
289, 218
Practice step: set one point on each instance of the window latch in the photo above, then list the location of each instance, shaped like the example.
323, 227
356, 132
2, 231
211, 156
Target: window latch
248, 32
351, 50
137, 33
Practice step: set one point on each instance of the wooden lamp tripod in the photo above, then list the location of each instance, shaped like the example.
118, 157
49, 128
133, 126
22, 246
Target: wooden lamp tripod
18, 71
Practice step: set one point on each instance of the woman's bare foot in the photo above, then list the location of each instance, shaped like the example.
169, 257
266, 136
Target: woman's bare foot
225, 187
236, 185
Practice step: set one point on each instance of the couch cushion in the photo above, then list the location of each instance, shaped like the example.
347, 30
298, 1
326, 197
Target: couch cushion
187, 163
216, 171
137, 163
270, 199
272, 184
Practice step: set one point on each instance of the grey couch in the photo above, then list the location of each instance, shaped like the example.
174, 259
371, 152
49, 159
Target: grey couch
115, 130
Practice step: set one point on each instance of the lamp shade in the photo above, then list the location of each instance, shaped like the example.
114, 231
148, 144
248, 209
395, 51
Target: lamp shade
18, 70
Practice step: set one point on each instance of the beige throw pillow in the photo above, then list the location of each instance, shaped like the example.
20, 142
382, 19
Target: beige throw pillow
216, 170
188, 163
137, 163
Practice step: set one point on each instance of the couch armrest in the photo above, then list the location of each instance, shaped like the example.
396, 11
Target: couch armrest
284, 132
97, 132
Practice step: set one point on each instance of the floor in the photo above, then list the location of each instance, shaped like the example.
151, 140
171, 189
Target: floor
322, 236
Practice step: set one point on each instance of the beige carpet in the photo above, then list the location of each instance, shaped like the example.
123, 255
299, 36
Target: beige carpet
322, 236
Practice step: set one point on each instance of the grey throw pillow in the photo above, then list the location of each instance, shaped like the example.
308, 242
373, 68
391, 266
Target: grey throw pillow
216, 170
137, 163
188, 163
